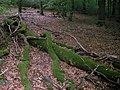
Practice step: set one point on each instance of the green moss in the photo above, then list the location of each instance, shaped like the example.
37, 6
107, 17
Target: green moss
23, 28
63, 45
29, 33
73, 59
71, 85
26, 56
2, 80
49, 85
23, 68
24, 76
1, 62
76, 60
55, 64
83, 63
4, 52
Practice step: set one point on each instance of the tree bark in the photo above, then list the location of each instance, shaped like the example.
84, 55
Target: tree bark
23, 68
41, 7
78, 61
84, 6
101, 12
20, 6
114, 7
108, 7
70, 18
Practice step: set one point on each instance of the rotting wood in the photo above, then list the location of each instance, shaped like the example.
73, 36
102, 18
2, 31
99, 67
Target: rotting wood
65, 54
78, 61
57, 72
23, 68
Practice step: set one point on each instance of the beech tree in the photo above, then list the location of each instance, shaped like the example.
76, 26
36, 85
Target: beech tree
119, 10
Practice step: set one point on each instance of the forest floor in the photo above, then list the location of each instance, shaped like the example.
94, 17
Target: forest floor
94, 39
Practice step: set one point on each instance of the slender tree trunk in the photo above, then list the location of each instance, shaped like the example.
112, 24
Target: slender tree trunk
84, 6
41, 7
114, 7
119, 11
108, 8
101, 12
20, 6
71, 11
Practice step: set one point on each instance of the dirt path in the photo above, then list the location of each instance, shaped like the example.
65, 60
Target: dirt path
83, 28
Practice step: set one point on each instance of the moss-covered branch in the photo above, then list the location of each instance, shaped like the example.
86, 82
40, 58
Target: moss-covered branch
23, 68
55, 63
57, 51
78, 61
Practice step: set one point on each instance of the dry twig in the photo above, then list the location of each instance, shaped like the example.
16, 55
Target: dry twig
4, 71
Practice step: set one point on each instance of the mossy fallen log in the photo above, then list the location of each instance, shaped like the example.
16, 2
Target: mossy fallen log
64, 45
4, 52
23, 68
57, 72
78, 61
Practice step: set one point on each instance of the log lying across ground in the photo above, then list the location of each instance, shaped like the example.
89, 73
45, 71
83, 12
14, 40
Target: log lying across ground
58, 51
56, 62
23, 68
78, 61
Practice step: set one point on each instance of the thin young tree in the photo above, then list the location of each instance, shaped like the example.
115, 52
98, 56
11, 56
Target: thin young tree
84, 6
101, 12
41, 7
19, 6
119, 11
71, 11
114, 7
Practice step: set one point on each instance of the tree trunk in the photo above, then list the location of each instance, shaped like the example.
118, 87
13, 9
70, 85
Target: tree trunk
101, 12
71, 11
84, 6
114, 7
108, 8
78, 61
20, 6
119, 11
41, 7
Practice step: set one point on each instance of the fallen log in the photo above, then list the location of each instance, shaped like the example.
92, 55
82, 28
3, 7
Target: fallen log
23, 68
57, 72
78, 61
57, 52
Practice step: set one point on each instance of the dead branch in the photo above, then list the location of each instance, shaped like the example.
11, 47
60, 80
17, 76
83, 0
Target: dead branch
76, 41
4, 71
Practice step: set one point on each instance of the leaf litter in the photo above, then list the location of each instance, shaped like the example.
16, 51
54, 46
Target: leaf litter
92, 38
